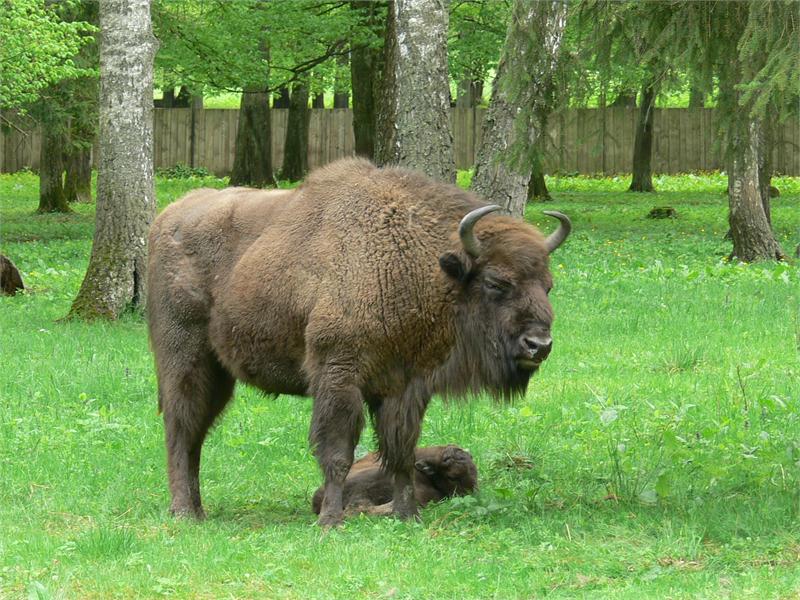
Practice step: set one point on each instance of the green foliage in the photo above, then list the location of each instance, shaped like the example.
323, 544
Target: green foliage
771, 42
38, 48
655, 455
227, 46
477, 31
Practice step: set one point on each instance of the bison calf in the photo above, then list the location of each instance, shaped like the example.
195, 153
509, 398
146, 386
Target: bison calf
441, 472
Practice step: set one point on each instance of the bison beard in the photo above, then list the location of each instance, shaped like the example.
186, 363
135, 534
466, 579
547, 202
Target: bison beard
363, 286
441, 472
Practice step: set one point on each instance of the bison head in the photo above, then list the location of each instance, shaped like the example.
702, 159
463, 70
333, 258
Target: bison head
503, 318
449, 469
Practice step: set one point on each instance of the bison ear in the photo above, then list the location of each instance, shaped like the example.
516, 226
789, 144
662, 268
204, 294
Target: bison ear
455, 266
423, 466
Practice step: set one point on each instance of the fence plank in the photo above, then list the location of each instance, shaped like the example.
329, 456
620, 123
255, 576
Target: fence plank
683, 139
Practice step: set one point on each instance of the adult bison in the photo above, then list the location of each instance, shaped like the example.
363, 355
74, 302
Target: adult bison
362, 286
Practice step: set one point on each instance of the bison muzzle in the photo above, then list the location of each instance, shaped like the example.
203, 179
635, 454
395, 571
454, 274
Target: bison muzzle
363, 286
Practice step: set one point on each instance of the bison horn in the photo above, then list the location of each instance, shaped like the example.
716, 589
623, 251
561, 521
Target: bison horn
468, 239
555, 239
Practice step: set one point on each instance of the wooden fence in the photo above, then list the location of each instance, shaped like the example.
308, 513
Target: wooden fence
579, 140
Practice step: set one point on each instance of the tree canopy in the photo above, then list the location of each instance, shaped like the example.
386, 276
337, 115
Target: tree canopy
39, 48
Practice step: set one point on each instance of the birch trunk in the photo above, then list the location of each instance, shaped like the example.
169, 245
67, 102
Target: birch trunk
115, 278
519, 98
414, 121
750, 230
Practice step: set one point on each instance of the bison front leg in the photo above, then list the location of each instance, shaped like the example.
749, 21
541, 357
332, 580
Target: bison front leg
336, 424
398, 422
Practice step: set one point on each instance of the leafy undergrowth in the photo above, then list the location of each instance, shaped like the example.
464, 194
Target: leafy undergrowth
657, 454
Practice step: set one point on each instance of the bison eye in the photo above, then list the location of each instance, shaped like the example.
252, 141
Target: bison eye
496, 287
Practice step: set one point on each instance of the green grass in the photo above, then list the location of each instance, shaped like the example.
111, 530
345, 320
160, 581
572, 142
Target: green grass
657, 454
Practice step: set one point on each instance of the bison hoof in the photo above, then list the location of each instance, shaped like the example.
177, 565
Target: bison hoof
188, 512
326, 521
407, 515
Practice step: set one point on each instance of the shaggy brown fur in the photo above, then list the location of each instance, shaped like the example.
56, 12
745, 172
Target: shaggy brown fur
441, 472
10, 279
354, 289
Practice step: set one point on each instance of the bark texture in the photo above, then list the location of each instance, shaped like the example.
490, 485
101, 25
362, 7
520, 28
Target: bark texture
252, 160
520, 96
51, 169
750, 230
281, 98
414, 121
537, 187
78, 178
642, 180
115, 278
365, 65
295, 150
765, 143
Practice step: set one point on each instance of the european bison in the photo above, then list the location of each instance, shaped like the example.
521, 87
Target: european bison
363, 286
441, 472
10, 279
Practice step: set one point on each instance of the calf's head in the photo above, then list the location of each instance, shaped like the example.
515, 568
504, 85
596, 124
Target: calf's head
504, 316
449, 469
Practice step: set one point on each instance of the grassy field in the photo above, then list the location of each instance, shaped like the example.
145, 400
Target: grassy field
657, 453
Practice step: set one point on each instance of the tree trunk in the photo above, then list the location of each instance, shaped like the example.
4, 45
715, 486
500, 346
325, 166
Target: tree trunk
642, 180
281, 98
341, 99
167, 98
537, 187
78, 180
520, 97
751, 233
295, 150
115, 278
51, 169
341, 85
318, 101
625, 99
362, 74
697, 98
469, 93
183, 99
765, 142
365, 71
415, 107
364, 62
252, 160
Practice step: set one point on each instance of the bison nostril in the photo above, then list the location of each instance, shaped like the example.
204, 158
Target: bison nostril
538, 346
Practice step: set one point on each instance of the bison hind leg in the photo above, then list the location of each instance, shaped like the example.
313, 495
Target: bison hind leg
191, 398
